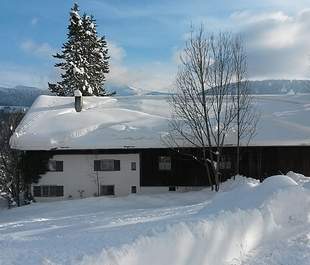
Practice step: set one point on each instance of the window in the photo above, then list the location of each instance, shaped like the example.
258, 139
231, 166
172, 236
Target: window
56, 191
225, 162
55, 166
164, 163
133, 189
48, 191
133, 166
107, 165
106, 190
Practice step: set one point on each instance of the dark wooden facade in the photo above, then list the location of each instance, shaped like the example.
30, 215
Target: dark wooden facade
185, 171
256, 162
260, 162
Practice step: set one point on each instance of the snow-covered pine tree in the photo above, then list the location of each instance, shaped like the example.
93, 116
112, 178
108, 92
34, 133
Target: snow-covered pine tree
84, 58
96, 54
71, 58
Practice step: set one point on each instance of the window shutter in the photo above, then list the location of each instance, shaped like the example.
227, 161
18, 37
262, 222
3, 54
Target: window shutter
96, 165
117, 165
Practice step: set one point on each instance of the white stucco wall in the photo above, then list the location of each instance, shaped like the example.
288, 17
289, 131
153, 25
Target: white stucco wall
78, 174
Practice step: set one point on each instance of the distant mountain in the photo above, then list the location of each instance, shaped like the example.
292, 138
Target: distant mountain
158, 93
20, 95
122, 90
23, 96
290, 87
125, 90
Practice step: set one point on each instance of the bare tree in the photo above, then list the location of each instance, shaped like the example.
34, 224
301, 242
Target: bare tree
189, 103
202, 101
247, 115
221, 97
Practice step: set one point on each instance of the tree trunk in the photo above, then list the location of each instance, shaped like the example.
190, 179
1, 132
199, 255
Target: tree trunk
207, 169
217, 171
18, 190
238, 161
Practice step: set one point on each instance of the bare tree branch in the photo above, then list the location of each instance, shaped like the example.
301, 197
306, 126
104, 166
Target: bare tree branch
247, 115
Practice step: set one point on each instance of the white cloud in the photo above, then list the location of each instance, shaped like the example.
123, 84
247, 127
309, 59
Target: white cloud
42, 50
248, 17
278, 46
116, 52
278, 43
151, 76
274, 30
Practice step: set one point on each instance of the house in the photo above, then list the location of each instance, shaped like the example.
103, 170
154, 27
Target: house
113, 145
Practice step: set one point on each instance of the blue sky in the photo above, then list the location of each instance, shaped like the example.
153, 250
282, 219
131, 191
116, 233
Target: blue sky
146, 37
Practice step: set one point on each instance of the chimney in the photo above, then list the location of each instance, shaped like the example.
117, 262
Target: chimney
78, 100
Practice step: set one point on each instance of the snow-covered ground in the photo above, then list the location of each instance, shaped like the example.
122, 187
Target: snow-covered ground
245, 223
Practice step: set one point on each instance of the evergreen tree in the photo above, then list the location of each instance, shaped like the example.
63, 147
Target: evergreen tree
96, 54
84, 59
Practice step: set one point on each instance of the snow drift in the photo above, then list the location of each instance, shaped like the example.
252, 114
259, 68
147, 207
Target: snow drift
247, 222
225, 231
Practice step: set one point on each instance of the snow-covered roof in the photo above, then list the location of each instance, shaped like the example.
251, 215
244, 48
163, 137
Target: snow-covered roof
141, 121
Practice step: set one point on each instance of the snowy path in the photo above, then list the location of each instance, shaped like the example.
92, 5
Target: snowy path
246, 223
52, 227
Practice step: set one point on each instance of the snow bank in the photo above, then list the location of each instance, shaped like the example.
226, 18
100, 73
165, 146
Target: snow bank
300, 179
245, 223
225, 238
236, 222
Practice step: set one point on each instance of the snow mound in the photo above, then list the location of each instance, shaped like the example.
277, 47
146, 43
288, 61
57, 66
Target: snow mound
279, 181
207, 242
227, 233
237, 182
300, 179
245, 223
